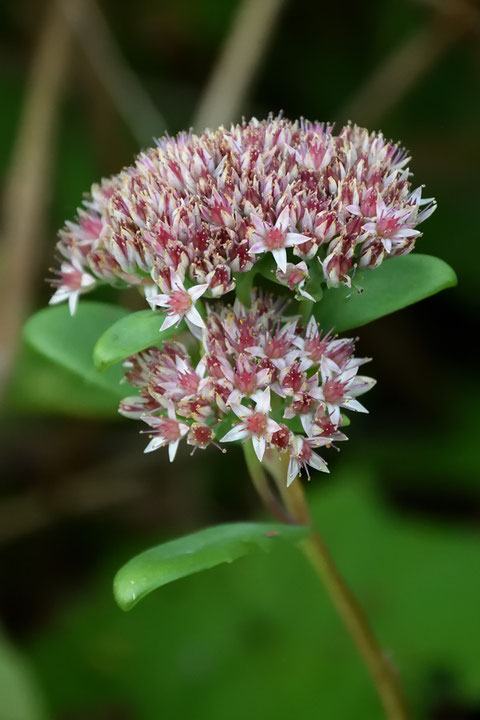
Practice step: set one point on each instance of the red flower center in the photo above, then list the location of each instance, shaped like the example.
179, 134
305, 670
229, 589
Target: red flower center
257, 423
180, 302
275, 239
333, 391
281, 438
169, 429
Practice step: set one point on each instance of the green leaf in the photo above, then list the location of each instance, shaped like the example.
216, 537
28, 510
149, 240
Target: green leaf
39, 385
243, 286
129, 335
316, 280
69, 341
186, 653
21, 698
246, 281
266, 267
193, 553
394, 285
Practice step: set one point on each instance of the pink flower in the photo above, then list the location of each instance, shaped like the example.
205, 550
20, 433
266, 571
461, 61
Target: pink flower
295, 276
276, 238
168, 431
210, 205
180, 303
72, 282
251, 357
302, 456
255, 424
342, 390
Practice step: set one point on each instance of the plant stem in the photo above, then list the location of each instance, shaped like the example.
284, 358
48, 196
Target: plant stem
344, 601
261, 485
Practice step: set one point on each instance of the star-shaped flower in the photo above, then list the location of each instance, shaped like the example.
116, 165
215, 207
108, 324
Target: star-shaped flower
276, 238
180, 303
168, 431
255, 424
71, 283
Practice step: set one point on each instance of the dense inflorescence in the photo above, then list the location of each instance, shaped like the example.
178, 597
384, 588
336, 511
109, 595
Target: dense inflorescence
200, 216
196, 210
262, 376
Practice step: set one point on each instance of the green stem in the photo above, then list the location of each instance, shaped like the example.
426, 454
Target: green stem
261, 485
344, 601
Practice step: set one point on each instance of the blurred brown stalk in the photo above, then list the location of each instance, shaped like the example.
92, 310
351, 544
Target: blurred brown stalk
28, 183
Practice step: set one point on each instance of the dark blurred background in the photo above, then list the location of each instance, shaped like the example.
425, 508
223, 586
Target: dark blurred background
84, 85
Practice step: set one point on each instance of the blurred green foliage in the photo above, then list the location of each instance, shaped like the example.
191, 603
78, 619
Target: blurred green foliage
401, 509
260, 638
20, 697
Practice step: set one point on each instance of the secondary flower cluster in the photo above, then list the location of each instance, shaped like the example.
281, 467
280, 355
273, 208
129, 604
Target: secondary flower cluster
262, 376
195, 210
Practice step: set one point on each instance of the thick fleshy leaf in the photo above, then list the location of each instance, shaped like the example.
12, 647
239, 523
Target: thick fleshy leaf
243, 286
266, 267
39, 385
129, 335
69, 341
193, 553
394, 285
316, 280
246, 281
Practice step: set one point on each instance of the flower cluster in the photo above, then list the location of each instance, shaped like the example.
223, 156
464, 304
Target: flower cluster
195, 211
262, 376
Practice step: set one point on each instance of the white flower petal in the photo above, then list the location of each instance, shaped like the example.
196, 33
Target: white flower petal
407, 232
239, 432
307, 421
263, 403
361, 385
259, 445
280, 256
240, 410
154, 444
172, 450
161, 300
318, 463
73, 302
354, 209
197, 291
351, 404
272, 426
59, 296
283, 220
305, 294
169, 321
258, 246
295, 239
196, 331
133, 407
293, 470
195, 318
87, 280
176, 281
